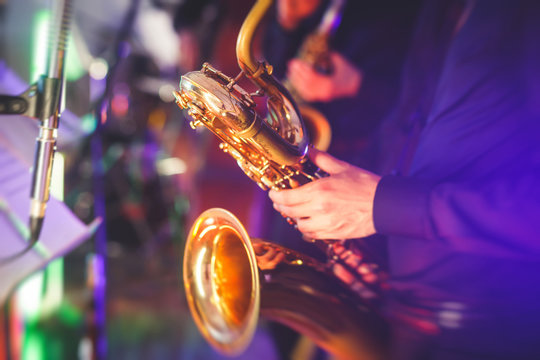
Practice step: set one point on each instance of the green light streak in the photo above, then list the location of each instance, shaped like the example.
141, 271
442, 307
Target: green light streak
54, 287
39, 48
73, 70
33, 347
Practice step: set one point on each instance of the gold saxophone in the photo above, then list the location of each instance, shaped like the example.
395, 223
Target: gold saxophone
316, 52
226, 279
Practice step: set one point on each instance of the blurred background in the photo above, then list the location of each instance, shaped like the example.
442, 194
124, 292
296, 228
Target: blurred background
131, 161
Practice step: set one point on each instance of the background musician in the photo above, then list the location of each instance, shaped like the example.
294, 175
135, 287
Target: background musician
367, 50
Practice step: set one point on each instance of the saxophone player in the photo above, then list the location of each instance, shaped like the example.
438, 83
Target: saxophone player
366, 49
461, 209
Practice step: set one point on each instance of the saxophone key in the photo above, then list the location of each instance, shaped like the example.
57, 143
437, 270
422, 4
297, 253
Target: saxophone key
180, 100
364, 269
353, 261
337, 248
194, 124
343, 274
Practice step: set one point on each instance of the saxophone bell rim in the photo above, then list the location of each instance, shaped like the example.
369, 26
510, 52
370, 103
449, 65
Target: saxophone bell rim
226, 337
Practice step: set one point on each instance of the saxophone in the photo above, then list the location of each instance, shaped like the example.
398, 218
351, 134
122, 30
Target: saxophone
315, 51
227, 282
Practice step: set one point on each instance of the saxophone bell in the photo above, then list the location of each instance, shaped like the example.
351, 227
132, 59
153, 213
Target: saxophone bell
228, 284
221, 281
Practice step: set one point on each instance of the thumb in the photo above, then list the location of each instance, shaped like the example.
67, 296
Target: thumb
327, 162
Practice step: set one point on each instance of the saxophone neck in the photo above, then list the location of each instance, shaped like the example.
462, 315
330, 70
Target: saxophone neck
244, 44
258, 72
282, 107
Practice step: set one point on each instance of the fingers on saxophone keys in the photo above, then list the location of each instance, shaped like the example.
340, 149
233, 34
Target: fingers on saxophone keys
308, 238
278, 208
350, 280
291, 221
354, 261
343, 274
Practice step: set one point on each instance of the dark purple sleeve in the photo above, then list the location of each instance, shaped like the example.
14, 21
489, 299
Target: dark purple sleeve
499, 216
400, 206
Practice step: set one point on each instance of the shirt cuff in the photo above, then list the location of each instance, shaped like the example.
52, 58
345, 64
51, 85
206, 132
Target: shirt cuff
401, 206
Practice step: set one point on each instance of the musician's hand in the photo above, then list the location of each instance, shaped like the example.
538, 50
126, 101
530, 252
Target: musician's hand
344, 81
339, 206
291, 12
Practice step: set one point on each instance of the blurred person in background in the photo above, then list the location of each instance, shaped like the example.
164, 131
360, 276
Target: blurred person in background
366, 53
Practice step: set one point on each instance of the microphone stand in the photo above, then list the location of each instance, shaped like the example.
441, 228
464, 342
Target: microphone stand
46, 142
43, 101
